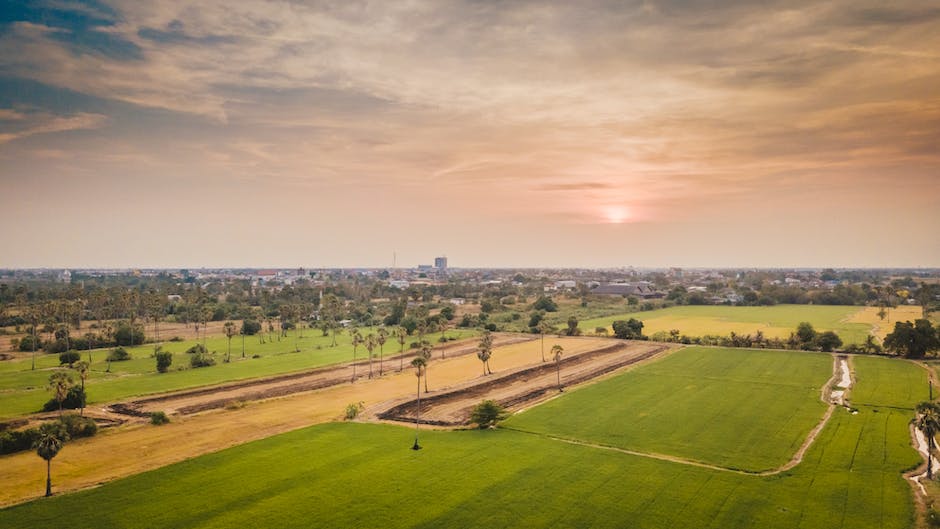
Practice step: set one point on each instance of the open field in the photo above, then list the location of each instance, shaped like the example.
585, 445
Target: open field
881, 328
737, 408
362, 475
775, 322
23, 391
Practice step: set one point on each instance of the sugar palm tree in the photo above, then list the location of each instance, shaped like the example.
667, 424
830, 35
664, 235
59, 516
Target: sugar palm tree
443, 324
485, 351
356, 341
82, 368
381, 338
928, 422
425, 352
370, 344
59, 383
50, 440
544, 328
230, 331
420, 365
557, 351
401, 334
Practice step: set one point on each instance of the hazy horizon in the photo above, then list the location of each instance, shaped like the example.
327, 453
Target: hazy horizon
503, 135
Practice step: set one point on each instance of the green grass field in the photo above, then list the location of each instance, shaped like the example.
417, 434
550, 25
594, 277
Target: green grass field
737, 408
776, 322
23, 390
364, 475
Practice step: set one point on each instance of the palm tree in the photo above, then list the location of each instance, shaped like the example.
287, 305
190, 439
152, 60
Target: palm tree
557, 351
544, 328
356, 340
443, 324
82, 367
485, 351
229, 328
928, 422
401, 334
51, 438
59, 383
425, 353
419, 364
381, 338
370, 344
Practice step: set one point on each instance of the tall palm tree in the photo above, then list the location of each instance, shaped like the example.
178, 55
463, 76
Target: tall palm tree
443, 324
370, 344
557, 351
425, 353
420, 365
485, 351
401, 334
381, 338
82, 368
51, 438
229, 328
59, 383
928, 422
544, 328
356, 341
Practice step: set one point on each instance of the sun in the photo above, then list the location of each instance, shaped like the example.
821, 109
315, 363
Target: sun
616, 214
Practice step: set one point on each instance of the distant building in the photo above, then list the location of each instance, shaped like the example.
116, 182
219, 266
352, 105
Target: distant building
641, 289
398, 283
440, 263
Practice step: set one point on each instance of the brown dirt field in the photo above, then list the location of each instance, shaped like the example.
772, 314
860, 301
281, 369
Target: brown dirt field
82, 463
524, 386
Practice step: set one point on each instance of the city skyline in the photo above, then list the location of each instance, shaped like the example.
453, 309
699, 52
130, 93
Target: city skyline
597, 135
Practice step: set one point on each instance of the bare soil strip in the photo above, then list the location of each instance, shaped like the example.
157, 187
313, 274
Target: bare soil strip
521, 387
840, 371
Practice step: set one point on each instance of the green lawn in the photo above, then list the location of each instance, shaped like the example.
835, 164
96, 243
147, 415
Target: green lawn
23, 390
775, 322
737, 408
362, 475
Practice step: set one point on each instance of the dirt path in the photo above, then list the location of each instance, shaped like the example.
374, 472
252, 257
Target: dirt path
841, 373
138, 446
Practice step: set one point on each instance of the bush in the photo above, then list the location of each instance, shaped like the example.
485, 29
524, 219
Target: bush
545, 303
201, 360
127, 335
176, 339
490, 327
164, 360
158, 417
353, 409
26, 343
251, 327
487, 413
69, 357
55, 346
17, 440
78, 426
74, 400
118, 355
197, 349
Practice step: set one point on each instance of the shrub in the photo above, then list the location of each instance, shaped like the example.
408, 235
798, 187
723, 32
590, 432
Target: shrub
69, 357
490, 327
118, 355
251, 327
128, 335
158, 417
487, 413
30, 342
197, 349
176, 339
353, 409
164, 360
73, 400
201, 360
78, 426
17, 440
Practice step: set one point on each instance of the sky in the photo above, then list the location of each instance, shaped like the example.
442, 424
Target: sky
500, 134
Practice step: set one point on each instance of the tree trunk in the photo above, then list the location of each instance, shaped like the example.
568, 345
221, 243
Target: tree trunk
243, 345
425, 379
558, 373
48, 477
543, 347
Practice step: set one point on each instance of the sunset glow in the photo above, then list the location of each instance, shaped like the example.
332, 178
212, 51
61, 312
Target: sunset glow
241, 133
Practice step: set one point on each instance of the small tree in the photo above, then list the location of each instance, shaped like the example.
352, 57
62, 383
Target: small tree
401, 334
370, 342
485, 351
83, 369
631, 329
356, 339
59, 383
230, 332
806, 334
425, 353
50, 440
827, 341
557, 351
572, 329
164, 360
487, 413
912, 340
381, 338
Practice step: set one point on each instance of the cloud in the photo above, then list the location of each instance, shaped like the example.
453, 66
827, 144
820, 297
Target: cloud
39, 123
